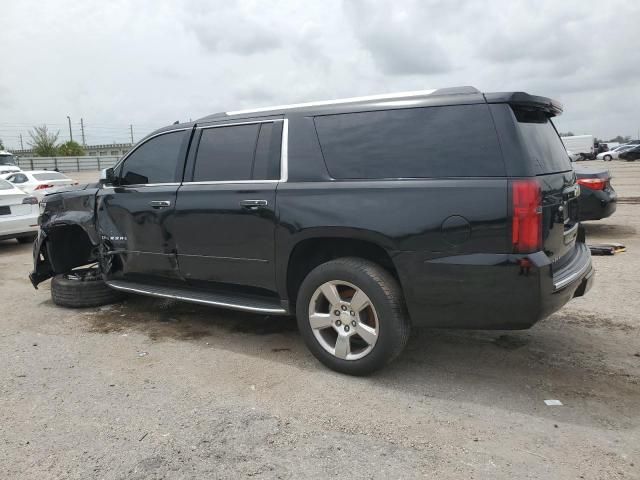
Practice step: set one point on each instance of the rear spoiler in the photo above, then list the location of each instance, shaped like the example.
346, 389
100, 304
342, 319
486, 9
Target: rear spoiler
522, 99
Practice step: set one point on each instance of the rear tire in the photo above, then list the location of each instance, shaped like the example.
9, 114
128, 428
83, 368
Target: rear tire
81, 289
27, 239
371, 315
607, 158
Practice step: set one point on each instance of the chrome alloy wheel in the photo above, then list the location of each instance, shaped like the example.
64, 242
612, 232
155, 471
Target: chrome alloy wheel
343, 320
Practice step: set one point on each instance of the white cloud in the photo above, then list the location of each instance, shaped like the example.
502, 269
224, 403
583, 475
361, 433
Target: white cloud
152, 62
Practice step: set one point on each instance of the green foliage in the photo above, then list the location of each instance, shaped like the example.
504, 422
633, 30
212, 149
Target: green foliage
43, 142
70, 149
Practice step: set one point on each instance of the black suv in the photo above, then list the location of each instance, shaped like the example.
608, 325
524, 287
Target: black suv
364, 216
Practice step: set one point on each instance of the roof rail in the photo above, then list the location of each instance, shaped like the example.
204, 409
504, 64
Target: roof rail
385, 96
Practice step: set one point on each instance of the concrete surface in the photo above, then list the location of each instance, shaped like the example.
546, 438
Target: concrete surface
155, 389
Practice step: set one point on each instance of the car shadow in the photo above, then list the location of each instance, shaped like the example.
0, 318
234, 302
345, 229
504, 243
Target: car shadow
608, 230
514, 370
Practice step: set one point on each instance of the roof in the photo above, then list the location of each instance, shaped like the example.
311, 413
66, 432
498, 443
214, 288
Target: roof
441, 96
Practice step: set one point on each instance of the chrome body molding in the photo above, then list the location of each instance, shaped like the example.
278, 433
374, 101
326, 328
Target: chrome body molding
194, 298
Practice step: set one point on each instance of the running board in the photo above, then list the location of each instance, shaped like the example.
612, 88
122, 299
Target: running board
247, 303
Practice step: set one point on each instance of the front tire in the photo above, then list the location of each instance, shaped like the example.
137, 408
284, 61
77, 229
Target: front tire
351, 315
82, 288
607, 158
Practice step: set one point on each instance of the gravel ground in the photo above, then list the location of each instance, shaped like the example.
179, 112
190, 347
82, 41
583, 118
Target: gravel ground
157, 389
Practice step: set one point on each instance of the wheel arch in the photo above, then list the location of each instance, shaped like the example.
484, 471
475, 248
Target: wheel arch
323, 245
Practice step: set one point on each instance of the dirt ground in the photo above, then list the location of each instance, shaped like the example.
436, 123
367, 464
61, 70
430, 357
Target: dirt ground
157, 389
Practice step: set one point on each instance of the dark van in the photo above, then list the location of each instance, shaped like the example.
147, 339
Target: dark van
364, 216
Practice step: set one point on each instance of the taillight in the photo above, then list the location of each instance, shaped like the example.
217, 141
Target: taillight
29, 201
43, 187
526, 231
593, 183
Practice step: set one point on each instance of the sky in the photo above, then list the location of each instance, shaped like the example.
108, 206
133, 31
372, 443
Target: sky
148, 63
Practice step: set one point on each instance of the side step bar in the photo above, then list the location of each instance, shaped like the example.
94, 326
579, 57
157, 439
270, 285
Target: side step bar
247, 303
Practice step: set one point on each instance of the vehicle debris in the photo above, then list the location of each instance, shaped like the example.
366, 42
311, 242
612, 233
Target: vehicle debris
551, 403
607, 248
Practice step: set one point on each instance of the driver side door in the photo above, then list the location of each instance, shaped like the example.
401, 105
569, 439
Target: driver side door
134, 216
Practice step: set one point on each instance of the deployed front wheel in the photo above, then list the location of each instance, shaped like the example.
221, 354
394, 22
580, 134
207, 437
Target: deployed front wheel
351, 315
82, 288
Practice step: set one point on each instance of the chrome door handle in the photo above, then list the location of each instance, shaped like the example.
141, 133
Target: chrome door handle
160, 203
253, 204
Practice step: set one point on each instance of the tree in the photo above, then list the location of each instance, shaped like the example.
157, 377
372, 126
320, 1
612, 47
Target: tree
43, 142
620, 139
1, 145
70, 149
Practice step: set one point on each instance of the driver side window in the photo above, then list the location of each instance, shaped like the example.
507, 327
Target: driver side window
18, 178
155, 161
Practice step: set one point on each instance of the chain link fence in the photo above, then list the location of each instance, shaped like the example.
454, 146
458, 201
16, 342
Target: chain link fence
67, 164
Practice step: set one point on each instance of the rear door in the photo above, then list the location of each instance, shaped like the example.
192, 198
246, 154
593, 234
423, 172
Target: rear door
134, 217
549, 162
225, 211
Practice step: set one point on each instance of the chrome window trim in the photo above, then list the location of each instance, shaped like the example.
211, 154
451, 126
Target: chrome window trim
284, 154
384, 96
249, 122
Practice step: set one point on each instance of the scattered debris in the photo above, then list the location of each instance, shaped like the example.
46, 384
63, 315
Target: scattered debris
22, 375
607, 248
143, 437
143, 354
252, 387
35, 344
280, 350
552, 402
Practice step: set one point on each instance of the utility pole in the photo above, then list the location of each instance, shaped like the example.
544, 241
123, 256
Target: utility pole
70, 132
131, 131
21, 144
84, 144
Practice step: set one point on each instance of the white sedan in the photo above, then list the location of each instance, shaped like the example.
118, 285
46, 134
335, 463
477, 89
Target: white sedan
39, 182
18, 214
613, 154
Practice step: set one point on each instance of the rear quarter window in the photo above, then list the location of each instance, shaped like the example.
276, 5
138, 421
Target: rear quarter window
453, 141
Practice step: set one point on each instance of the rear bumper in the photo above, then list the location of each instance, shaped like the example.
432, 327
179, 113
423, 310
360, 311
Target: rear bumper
597, 204
491, 291
18, 226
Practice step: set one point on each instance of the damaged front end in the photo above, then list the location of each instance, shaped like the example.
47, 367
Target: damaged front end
67, 237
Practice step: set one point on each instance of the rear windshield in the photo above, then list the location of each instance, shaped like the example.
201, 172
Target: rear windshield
542, 142
49, 176
4, 185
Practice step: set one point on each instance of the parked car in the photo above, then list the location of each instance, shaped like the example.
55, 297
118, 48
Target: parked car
630, 155
613, 154
582, 145
574, 157
597, 197
18, 214
40, 182
8, 163
362, 217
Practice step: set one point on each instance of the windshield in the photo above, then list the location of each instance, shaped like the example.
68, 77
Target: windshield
7, 160
542, 142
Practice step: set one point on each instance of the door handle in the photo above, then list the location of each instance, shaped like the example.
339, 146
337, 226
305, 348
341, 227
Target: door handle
160, 203
253, 204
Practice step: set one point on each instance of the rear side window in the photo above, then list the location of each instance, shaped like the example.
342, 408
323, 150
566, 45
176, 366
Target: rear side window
542, 142
155, 161
49, 176
427, 142
239, 152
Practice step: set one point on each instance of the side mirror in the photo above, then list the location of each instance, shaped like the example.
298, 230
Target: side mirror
108, 176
